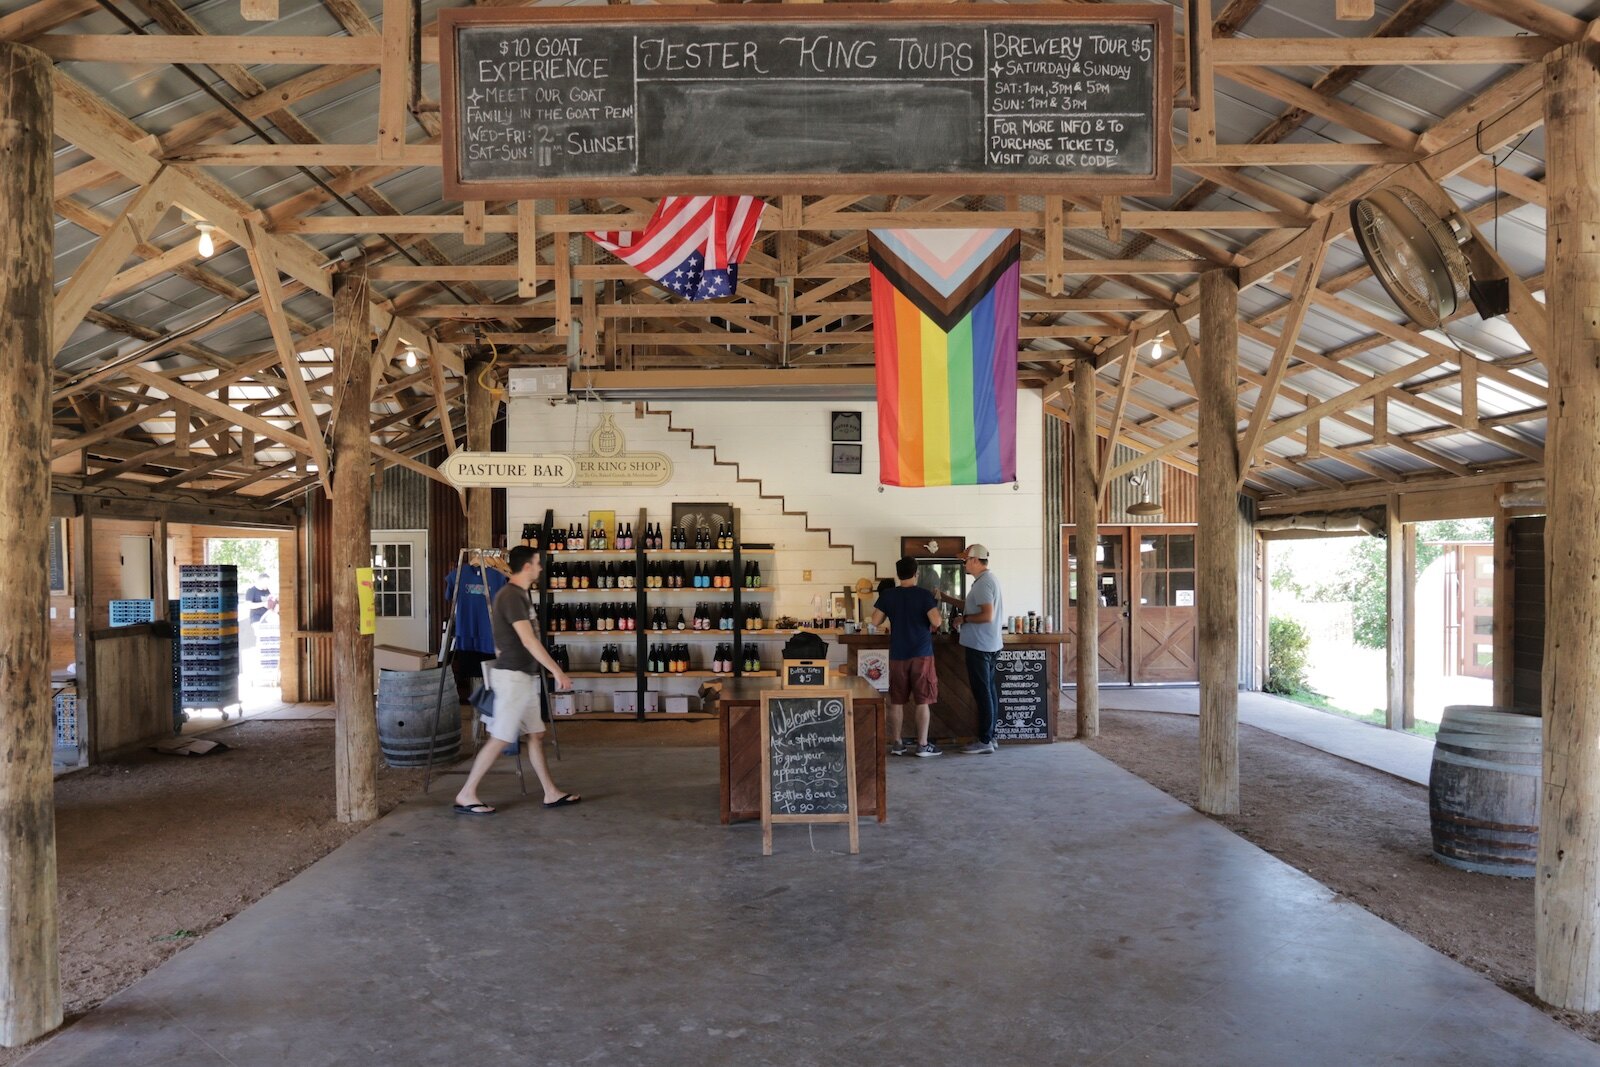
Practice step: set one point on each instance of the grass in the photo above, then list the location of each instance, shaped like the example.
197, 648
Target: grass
1377, 716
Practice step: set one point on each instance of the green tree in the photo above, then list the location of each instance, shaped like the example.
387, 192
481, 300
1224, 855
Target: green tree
1363, 580
1287, 645
252, 555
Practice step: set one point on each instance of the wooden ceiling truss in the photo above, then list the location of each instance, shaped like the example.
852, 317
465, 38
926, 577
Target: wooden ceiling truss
182, 415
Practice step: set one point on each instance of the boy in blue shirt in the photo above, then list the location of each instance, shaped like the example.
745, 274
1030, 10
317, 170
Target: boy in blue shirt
913, 614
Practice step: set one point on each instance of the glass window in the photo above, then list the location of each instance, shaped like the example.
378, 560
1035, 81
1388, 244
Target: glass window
1483, 626
1483, 598
1153, 589
1180, 551
1485, 566
1153, 551
1483, 655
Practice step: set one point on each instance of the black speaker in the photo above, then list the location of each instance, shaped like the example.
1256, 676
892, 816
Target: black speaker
1491, 296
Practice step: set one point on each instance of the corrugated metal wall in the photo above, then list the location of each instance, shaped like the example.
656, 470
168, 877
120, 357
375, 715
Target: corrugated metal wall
1177, 490
400, 500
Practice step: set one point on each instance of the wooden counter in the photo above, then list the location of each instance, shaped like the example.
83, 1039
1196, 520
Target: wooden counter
953, 715
739, 734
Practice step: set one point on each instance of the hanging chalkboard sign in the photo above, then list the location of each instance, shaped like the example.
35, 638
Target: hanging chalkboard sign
843, 98
808, 761
799, 673
1022, 678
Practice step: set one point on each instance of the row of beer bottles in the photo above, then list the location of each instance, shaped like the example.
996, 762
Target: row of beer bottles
575, 538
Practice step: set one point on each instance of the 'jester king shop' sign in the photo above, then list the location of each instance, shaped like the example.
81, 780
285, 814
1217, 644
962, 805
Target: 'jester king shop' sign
606, 463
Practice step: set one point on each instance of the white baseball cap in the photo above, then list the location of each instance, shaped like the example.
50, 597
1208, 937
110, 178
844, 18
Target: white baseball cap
978, 552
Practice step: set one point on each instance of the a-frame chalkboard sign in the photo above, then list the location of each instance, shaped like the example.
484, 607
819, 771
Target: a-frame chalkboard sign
808, 761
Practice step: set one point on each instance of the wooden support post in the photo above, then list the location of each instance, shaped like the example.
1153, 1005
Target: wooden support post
1217, 573
562, 251
472, 233
1567, 881
158, 571
1055, 249
180, 430
355, 716
394, 79
527, 249
1505, 605
481, 412
1399, 601
1086, 514
1111, 217
30, 978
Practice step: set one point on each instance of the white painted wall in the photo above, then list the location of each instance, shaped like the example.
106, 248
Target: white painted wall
787, 446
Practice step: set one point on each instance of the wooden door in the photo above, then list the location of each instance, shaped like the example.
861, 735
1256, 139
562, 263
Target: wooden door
1475, 571
1164, 633
1112, 557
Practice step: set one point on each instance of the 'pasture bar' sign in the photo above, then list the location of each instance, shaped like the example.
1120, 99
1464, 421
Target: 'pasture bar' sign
772, 99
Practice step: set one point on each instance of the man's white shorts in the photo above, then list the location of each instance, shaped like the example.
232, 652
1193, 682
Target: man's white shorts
516, 705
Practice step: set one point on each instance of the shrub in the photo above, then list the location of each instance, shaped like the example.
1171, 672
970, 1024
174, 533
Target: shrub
1287, 642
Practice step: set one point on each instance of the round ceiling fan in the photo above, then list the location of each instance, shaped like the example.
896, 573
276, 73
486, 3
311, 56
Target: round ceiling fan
1415, 255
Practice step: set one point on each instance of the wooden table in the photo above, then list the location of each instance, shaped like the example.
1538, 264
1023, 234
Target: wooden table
954, 716
739, 734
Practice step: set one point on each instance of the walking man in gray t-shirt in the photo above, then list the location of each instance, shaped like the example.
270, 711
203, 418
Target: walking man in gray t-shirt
978, 618
513, 677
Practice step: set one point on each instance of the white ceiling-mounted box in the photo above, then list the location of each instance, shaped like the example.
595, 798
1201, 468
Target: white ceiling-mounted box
538, 383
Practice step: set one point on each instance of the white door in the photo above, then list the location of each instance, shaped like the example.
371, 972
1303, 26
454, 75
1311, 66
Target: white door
136, 568
400, 585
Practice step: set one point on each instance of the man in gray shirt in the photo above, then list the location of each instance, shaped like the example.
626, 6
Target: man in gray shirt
978, 619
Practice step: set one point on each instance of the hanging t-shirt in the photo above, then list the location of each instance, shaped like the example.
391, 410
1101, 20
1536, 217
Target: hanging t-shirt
473, 631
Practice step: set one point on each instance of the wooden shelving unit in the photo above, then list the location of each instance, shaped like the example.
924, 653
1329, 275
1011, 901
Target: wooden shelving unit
643, 600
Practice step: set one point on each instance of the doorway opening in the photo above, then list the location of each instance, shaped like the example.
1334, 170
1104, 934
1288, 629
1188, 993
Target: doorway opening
260, 619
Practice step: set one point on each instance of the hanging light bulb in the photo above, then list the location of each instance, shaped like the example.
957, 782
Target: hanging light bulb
1156, 352
207, 245
411, 359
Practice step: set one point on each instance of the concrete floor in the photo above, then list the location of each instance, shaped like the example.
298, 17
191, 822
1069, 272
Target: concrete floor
1040, 906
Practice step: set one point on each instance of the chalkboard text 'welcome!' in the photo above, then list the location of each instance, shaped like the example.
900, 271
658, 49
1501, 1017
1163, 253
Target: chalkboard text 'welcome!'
576, 100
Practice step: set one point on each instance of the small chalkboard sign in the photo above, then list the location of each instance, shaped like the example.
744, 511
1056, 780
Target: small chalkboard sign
808, 762
804, 673
1021, 677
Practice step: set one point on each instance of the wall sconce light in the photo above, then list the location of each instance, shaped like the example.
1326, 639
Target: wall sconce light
1145, 507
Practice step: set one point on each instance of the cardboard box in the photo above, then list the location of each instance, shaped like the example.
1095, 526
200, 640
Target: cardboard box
394, 658
626, 702
578, 702
676, 704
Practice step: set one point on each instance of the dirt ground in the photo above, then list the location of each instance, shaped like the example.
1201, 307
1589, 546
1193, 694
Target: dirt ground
1358, 831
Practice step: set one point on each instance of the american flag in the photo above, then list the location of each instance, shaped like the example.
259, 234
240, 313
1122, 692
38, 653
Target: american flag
692, 245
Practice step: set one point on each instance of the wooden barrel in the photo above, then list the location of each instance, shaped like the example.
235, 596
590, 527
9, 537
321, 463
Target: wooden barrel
406, 705
1483, 790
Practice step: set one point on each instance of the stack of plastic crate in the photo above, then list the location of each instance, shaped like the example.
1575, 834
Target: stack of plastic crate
131, 612
179, 716
65, 706
208, 624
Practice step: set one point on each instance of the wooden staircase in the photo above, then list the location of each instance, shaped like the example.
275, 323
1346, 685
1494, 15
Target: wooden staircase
761, 490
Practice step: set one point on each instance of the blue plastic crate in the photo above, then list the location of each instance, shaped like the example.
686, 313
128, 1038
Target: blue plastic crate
132, 612
65, 705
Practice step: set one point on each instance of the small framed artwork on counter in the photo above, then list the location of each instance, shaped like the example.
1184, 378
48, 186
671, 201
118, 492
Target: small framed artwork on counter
846, 459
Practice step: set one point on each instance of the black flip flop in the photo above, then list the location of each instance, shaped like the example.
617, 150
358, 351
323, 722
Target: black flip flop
474, 809
566, 799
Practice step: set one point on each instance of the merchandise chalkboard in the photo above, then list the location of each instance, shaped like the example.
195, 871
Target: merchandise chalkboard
861, 98
1022, 678
808, 765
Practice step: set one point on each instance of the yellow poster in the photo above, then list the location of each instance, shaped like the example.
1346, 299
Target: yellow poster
364, 594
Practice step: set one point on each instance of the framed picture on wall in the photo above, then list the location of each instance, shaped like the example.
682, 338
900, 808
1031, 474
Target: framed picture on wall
58, 557
846, 426
708, 517
846, 459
